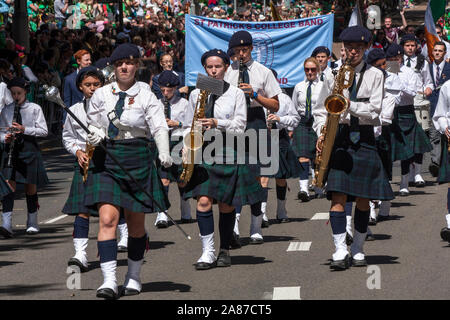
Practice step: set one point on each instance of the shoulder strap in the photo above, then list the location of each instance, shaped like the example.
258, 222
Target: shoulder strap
420, 62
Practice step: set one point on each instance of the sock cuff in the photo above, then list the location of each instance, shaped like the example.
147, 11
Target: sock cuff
107, 250
204, 214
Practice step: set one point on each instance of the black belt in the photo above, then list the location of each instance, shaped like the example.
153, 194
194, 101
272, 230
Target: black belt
306, 121
405, 109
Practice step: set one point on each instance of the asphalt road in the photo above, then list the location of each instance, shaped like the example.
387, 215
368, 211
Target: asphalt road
408, 260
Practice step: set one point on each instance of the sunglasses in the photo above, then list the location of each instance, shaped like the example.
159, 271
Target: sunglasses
310, 69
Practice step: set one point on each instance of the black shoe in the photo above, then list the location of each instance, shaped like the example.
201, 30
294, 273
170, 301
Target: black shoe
420, 184
235, 242
6, 233
106, 293
340, 265
256, 241
303, 196
122, 249
77, 263
184, 221
445, 234
129, 292
162, 224
370, 237
381, 218
348, 239
283, 220
264, 224
434, 169
205, 265
359, 263
224, 259
372, 222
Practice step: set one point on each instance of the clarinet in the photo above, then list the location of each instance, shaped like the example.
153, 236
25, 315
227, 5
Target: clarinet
9, 164
166, 108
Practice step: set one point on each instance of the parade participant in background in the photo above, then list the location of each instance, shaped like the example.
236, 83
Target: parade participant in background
123, 115
26, 121
179, 116
72, 94
230, 184
356, 171
166, 63
323, 56
262, 90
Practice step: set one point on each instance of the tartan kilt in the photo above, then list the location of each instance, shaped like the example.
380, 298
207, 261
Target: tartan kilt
75, 203
107, 183
173, 172
289, 167
256, 120
304, 141
28, 165
444, 169
407, 135
384, 149
4, 187
233, 184
357, 170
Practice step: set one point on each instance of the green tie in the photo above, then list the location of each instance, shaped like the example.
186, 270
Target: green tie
408, 63
308, 102
113, 131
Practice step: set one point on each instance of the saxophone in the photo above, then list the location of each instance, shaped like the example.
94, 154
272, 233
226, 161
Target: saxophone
194, 140
335, 104
89, 152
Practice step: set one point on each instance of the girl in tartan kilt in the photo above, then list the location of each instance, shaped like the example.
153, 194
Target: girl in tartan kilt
355, 168
28, 122
304, 139
74, 139
441, 121
179, 116
228, 184
123, 115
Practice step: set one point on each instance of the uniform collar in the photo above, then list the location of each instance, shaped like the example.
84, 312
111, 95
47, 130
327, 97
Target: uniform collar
314, 82
133, 91
174, 99
249, 63
359, 67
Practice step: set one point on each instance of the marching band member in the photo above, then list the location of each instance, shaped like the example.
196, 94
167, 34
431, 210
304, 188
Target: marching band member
356, 171
409, 141
323, 56
28, 122
122, 115
441, 120
179, 116
230, 185
262, 90
304, 139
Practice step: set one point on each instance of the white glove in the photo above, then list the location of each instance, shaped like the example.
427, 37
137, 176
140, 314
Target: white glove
162, 143
96, 136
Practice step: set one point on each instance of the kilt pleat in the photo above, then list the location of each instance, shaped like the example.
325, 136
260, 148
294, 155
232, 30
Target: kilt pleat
357, 170
173, 172
384, 150
75, 202
444, 168
107, 183
304, 141
407, 135
289, 167
256, 120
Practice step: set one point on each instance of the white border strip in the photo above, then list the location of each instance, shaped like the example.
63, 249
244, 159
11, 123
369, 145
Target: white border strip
55, 219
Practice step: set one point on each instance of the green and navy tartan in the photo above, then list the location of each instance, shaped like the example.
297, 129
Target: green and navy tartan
384, 149
304, 141
256, 119
107, 183
289, 167
28, 165
407, 135
357, 170
173, 172
75, 203
4, 187
444, 169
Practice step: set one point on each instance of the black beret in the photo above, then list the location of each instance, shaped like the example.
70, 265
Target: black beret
408, 37
240, 38
215, 53
102, 63
321, 49
93, 71
125, 51
355, 34
394, 50
168, 78
18, 82
375, 54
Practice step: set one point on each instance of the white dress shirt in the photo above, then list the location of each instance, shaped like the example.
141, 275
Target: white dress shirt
5, 95
299, 95
289, 117
180, 110
74, 137
261, 79
372, 88
411, 85
393, 87
441, 118
32, 119
422, 74
143, 113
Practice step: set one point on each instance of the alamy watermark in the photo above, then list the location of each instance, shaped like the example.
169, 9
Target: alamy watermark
374, 280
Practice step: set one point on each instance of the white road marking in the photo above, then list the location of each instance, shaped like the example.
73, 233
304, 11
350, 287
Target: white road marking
299, 246
55, 219
321, 216
286, 293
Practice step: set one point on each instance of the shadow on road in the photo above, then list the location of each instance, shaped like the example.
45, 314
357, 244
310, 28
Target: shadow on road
382, 236
19, 290
162, 286
382, 260
236, 260
154, 245
23, 241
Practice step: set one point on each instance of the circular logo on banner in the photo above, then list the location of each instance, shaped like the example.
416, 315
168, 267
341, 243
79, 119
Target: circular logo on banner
263, 50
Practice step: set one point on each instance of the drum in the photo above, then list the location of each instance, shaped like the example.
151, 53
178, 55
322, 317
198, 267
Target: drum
422, 110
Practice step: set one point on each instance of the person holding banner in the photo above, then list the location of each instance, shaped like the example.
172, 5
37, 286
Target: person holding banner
123, 115
229, 185
355, 168
261, 92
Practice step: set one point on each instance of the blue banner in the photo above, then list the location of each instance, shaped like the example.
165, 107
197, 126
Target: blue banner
280, 45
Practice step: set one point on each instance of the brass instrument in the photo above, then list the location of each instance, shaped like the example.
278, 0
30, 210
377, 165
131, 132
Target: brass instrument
89, 152
335, 104
108, 73
194, 141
